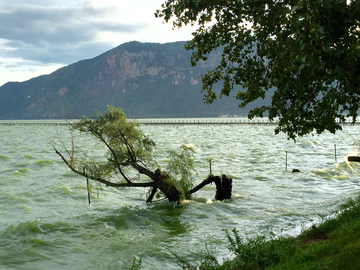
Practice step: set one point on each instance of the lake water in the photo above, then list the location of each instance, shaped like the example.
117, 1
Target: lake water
47, 223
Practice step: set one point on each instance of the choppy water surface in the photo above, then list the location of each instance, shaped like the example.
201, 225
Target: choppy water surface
46, 222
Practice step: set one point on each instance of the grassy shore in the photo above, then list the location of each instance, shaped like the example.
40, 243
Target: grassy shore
333, 244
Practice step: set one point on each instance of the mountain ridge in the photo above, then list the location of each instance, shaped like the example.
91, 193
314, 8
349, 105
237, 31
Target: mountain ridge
144, 79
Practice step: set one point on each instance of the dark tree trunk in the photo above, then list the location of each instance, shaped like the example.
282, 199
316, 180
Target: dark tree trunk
167, 187
153, 192
161, 181
223, 188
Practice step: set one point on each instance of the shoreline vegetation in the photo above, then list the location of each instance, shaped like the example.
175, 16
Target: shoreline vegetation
332, 244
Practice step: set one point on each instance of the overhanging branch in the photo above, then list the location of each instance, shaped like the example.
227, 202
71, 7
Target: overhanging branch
140, 169
207, 181
93, 131
106, 182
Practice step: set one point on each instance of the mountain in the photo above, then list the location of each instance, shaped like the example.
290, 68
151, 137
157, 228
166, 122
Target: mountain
144, 79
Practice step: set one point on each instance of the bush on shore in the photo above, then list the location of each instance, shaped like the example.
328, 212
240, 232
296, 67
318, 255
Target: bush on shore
332, 244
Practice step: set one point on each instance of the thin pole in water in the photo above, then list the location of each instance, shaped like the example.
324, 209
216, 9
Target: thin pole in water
210, 166
335, 152
285, 160
88, 190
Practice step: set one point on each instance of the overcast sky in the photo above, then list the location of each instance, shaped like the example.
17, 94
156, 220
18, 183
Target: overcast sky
39, 36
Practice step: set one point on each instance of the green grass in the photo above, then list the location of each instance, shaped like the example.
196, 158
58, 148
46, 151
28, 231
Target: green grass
333, 244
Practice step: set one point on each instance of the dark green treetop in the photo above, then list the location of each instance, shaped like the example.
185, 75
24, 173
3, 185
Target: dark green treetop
308, 51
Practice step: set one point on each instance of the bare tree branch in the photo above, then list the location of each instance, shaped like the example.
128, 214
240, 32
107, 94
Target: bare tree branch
140, 169
207, 181
106, 182
153, 192
112, 152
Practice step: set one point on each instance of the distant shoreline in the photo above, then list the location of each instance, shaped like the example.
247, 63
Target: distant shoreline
163, 121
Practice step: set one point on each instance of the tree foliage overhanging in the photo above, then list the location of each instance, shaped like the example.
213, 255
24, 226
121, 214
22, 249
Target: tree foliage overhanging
308, 51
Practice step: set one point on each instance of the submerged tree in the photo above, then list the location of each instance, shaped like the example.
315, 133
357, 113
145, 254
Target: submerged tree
129, 153
307, 50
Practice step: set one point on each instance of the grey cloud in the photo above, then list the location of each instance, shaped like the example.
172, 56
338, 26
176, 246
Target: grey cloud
60, 53
57, 34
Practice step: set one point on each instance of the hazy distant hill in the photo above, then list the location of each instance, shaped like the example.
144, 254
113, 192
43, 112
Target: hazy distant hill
145, 79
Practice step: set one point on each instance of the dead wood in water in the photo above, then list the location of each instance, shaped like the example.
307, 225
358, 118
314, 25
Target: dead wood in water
223, 186
354, 158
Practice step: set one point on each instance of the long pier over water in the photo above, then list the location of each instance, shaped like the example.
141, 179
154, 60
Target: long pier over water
160, 121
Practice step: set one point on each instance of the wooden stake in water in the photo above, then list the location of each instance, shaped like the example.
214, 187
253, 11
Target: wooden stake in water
335, 152
88, 190
210, 166
285, 160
